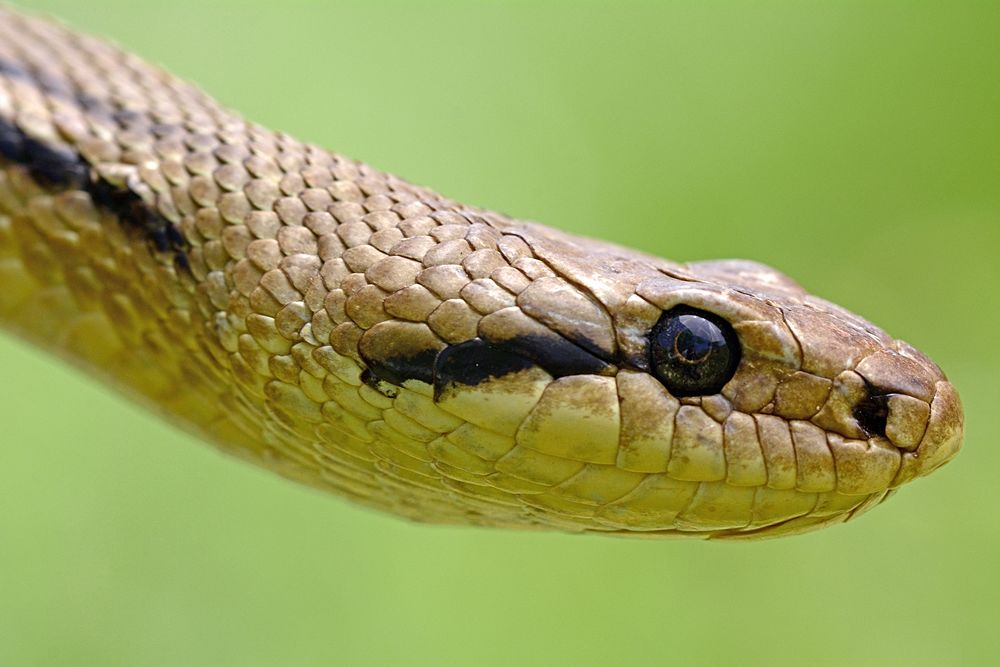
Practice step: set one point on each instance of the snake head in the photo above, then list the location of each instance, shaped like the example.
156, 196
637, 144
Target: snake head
822, 404
366, 336
714, 399
848, 377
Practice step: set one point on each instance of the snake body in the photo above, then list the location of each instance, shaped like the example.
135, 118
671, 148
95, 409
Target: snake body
372, 338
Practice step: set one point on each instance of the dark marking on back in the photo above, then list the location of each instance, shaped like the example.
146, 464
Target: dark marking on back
11, 143
49, 165
48, 84
57, 87
131, 210
57, 166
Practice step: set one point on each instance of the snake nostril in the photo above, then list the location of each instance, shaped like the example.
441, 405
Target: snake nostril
872, 412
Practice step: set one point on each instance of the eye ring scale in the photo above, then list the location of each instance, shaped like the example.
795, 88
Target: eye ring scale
693, 352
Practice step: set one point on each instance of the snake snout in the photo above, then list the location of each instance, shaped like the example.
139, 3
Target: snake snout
910, 402
942, 438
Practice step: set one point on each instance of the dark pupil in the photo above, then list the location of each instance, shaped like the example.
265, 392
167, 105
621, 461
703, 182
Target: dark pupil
697, 339
693, 353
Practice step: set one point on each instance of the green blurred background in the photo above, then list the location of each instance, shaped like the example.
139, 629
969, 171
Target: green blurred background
854, 145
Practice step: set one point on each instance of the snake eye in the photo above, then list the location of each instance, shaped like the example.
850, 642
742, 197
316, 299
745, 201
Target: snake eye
693, 353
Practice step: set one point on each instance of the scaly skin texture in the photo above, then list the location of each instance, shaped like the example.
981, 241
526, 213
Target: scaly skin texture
448, 364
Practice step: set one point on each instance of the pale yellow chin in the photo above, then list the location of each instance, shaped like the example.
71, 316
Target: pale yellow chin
621, 455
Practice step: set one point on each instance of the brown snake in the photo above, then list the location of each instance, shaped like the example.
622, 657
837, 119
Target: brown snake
445, 363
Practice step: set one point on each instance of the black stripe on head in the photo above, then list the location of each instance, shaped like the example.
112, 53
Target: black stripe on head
473, 362
395, 358
558, 356
477, 361
59, 167
396, 351
399, 369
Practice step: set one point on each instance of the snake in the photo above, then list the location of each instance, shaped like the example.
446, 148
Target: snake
409, 353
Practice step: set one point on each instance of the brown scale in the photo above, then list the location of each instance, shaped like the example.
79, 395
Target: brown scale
369, 337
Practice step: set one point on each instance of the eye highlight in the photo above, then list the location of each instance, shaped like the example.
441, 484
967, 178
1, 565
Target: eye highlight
693, 353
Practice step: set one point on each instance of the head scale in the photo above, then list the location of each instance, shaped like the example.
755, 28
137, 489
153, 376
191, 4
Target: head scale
715, 399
